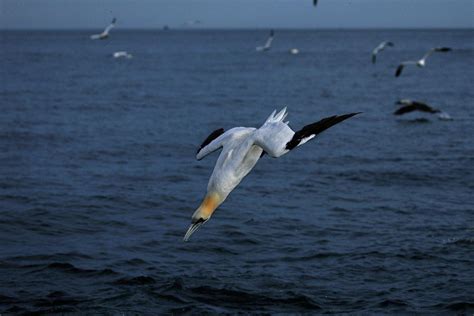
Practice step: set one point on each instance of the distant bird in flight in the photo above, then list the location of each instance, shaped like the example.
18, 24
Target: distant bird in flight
422, 61
105, 33
315, 2
191, 23
268, 44
122, 54
378, 49
411, 106
242, 147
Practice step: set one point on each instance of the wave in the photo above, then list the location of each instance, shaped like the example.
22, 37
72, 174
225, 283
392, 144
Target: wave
140, 280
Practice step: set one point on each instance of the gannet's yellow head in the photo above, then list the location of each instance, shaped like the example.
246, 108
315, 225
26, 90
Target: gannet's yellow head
203, 213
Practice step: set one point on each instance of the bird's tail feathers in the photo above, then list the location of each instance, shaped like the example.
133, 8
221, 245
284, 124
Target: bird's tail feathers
278, 117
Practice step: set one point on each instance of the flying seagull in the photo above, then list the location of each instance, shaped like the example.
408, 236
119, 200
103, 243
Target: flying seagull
410, 106
242, 147
268, 44
422, 61
378, 49
105, 33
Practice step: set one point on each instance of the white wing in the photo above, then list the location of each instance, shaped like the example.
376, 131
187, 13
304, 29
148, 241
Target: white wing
268, 44
378, 48
213, 143
436, 49
108, 28
431, 51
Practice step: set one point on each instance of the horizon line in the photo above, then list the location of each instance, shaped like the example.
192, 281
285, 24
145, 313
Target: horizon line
242, 28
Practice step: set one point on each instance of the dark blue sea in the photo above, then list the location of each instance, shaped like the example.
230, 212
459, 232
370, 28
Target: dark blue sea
98, 176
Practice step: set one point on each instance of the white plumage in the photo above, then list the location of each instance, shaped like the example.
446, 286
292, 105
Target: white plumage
380, 48
421, 62
105, 33
268, 43
122, 54
242, 147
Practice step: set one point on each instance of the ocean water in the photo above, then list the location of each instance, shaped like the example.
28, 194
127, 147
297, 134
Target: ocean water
98, 177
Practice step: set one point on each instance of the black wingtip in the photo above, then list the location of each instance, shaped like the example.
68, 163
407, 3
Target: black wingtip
444, 49
317, 128
398, 112
399, 71
210, 138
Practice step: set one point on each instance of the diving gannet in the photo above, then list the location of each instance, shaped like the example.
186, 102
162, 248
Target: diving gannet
242, 147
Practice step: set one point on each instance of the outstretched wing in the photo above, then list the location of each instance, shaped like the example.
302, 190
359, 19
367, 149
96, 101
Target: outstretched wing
276, 138
268, 44
219, 139
111, 25
380, 48
405, 109
420, 106
210, 138
437, 49
312, 130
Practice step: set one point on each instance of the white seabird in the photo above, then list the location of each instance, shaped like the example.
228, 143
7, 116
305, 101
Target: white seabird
411, 106
294, 51
267, 45
122, 54
105, 33
242, 147
422, 61
378, 49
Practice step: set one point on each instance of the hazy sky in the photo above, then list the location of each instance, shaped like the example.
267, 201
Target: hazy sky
74, 14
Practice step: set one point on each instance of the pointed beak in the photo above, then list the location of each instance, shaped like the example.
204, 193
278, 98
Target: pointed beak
192, 229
